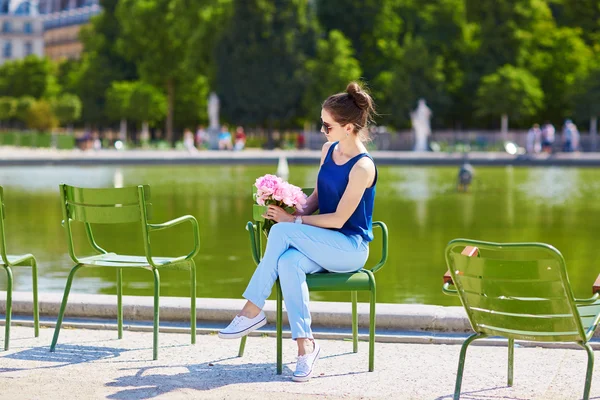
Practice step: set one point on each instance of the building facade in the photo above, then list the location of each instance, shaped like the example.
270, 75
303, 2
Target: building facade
21, 30
63, 19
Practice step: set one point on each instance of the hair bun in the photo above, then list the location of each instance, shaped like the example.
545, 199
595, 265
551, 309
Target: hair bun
360, 97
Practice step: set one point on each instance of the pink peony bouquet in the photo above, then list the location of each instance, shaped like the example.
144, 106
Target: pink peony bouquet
271, 189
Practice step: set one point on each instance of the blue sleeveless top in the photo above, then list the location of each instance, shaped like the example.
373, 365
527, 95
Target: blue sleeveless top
331, 184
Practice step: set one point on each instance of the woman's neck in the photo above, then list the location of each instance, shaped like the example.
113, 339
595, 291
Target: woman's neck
350, 147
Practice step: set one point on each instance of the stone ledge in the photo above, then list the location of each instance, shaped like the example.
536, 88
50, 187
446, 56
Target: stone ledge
396, 317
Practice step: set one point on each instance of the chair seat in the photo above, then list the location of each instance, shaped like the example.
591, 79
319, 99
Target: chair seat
18, 260
124, 261
327, 281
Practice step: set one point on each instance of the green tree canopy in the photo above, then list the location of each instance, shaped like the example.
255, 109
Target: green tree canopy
22, 107
118, 99
167, 38
260, 61
509, 91
146, 103
8, 106
101, 64
67, 108
40, 116
30, 76
329, 72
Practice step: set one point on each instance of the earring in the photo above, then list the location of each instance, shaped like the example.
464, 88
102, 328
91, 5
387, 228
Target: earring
346, 134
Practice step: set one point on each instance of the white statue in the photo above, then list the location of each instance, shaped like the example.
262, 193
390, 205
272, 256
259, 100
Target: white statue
421, 124
213, 111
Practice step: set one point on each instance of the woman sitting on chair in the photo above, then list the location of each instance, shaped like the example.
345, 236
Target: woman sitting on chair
335, 240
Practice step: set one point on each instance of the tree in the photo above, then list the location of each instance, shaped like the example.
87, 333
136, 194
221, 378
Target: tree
510, 91
147, 105
557, 59
166, 38
67, 109
586, 98
8, 107
325, 74
260, 61
117, 104
22, 108
40, 116
584, 14
31, 76
100, 65
417, 74
374, 28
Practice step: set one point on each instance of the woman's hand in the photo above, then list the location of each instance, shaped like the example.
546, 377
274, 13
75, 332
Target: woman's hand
278, 214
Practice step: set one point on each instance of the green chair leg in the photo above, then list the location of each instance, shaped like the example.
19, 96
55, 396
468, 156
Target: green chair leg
63, 306
9, 285
279, 330
372, 326
156, 314
511, 357
120, 302
461, 363
36, 304
193, 301
354, 322
242, 346
590, 370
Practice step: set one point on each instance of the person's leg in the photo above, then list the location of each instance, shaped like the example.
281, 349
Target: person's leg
293, 267
330, 249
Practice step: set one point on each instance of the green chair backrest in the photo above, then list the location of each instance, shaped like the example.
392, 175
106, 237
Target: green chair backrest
2, 235
515, 290
103, 206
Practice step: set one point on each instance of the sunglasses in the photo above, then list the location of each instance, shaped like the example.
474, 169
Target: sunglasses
326, 127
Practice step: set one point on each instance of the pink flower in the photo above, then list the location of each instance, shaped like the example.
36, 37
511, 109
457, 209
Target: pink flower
273, 188
267, 184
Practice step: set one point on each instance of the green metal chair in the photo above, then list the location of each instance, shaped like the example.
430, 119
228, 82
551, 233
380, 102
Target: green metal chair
363, 280
519, 291
117, 206
9, 262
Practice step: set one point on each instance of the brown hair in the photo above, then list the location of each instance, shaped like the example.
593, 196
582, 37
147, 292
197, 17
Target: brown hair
354, 106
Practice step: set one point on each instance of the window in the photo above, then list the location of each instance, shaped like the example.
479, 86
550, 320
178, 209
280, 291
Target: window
6, 27
7, 51
28, 48
27, 28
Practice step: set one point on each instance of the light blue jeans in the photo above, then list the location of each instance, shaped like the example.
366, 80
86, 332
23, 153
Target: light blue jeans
294, 250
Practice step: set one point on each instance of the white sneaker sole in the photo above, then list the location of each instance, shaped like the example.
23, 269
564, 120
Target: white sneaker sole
243, 333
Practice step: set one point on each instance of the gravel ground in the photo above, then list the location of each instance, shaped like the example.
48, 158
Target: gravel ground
93, 364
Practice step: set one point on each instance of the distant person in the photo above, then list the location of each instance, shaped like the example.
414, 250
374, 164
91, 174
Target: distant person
300, 141
570, 135
240, 139
202, 138
188, 141
548, 132
534, 140
465, 177
225, 139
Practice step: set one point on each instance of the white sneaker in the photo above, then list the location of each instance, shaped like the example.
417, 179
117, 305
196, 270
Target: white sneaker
306, 364
241, 326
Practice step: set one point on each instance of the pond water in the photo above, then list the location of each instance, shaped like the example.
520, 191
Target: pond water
420, 206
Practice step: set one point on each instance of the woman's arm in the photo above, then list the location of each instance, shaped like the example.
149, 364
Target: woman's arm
361, 177
312, 203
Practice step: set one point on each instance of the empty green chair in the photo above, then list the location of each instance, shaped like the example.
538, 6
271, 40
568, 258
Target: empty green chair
9, 262
117, 206
518, 291
363, 280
